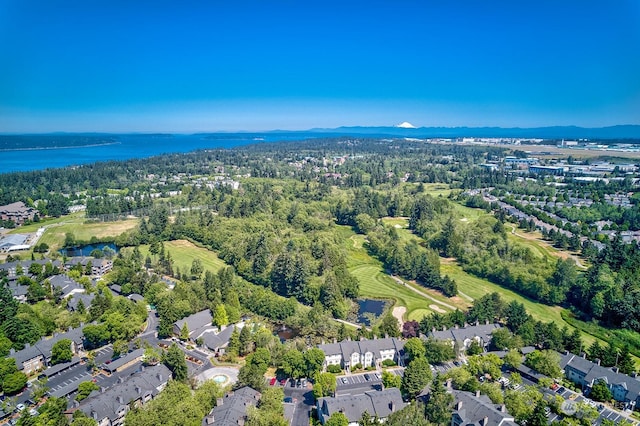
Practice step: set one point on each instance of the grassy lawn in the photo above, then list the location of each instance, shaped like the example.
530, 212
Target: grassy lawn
437, 189
76, 224
184, 252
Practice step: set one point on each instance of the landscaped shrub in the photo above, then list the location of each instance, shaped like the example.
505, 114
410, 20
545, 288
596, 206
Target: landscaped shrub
334, 368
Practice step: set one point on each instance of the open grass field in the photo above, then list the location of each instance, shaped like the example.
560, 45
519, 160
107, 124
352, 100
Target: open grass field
184, 252
437, 189
76, 224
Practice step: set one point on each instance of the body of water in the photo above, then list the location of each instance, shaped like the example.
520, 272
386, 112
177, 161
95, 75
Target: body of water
87, 249
60, 151
369, 306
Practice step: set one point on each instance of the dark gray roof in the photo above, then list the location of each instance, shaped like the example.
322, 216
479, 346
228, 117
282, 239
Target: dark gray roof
43, 347
380, 403
216, 341
195, 322
469, 332
472, 410
66, 284
136, 297
69, 388
18, 290
594, 372
107, 404
116, 288
123, 360
233, 407
52, 371
75, 299
26, 263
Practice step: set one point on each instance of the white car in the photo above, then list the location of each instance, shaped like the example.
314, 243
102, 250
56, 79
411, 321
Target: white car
20, 407
33, 412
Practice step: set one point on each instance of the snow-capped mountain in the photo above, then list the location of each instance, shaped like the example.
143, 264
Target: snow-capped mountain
405, 125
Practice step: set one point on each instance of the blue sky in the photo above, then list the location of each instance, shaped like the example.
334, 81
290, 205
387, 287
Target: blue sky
257, 65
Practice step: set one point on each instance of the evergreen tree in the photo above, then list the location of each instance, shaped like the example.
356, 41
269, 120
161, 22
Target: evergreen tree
626, 364
438, 408
538, 417
175, 361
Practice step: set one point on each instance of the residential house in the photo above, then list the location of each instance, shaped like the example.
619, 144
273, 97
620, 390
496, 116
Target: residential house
99, 267
462, 337
376, 403
196, 324
73, 304
478, 410
38, 356
17, 212
109, 407
125, 361
12, 268
217, 342
585, 373
368, 353
65, 286
232, 409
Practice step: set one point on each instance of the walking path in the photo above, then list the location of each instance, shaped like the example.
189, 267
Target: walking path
400, 281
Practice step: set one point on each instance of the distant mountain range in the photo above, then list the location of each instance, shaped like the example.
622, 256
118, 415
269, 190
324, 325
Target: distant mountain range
629, 131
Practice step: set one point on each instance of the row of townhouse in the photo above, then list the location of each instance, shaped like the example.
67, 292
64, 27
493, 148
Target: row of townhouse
477, 410
372, 352
368, 353
585, 373
469, 409
462, 337
37, 357
16, 268
99, 266
377, 403
109, 407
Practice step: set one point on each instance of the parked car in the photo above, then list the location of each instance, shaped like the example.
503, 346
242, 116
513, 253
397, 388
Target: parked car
304, 383
288, 399
33, 412
272, 381
344, 380
20, 407
367, 377
283, 382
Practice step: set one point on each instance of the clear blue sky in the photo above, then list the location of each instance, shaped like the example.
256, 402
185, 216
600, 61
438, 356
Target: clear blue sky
184, 66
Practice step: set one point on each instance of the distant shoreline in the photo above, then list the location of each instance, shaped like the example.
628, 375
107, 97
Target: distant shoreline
60, 147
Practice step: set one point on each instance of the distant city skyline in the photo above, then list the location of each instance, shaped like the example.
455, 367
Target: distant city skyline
157, 66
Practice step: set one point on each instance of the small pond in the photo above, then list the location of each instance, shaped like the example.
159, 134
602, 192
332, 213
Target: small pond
371, 307
87, 249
